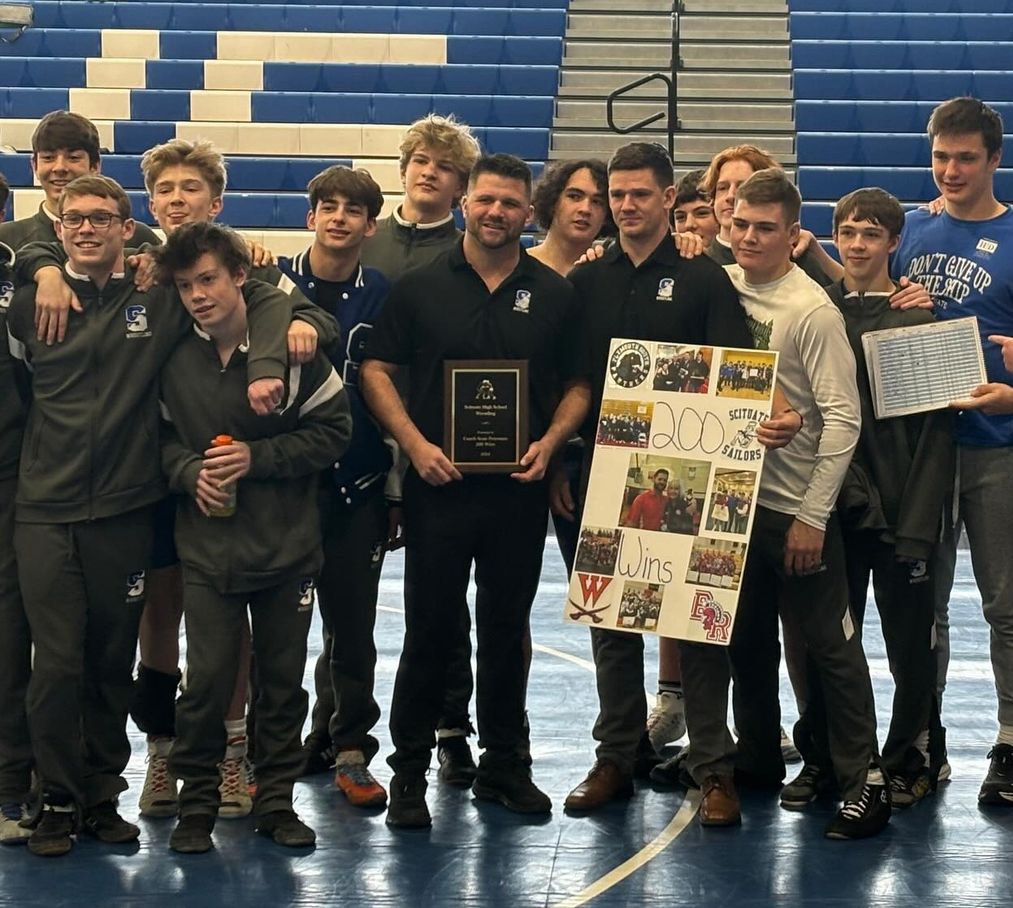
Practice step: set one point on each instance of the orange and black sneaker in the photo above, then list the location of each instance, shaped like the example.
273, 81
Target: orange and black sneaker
353, 777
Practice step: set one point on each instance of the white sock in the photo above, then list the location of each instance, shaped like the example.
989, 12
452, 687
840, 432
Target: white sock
235, 737
442, 733
159, 747
1005, 735
349, 757
921, 744
875, 777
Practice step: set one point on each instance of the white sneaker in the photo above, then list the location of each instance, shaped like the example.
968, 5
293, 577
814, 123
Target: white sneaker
789, 752
158, 797
11, 830
667, 721
234, 789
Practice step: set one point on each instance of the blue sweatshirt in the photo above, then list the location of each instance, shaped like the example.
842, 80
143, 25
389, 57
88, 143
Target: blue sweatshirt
967, 268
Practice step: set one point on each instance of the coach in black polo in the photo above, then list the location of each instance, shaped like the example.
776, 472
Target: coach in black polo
485, 299
641, 288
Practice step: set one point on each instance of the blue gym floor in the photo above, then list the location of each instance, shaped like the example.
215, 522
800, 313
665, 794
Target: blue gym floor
645, 852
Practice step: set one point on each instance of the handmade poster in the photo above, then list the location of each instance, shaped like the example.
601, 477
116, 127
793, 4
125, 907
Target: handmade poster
674, 479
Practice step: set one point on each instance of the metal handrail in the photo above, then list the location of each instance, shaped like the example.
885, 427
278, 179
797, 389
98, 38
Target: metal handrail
671, 82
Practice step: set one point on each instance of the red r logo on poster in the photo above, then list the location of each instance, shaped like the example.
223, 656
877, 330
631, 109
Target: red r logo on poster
708, 611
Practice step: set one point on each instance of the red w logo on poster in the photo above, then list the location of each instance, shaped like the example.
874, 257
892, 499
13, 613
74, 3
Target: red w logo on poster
591, 588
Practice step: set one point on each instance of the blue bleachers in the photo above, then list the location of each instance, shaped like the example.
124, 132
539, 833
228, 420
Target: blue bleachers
906, 183
958, 7
909, 55
396, 78
467, 4
872, 116
281, 18
869, 149
892, 85
137, 136
907, 27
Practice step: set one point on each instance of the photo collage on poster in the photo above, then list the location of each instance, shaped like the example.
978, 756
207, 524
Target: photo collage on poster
674, 477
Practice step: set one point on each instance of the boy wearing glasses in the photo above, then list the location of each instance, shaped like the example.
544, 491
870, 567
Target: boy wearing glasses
89, 475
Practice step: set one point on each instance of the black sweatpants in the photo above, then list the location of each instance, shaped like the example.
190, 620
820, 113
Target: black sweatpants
280, 617
819, 603
15, 662
905, 596
354, 540
499, 525
83, 590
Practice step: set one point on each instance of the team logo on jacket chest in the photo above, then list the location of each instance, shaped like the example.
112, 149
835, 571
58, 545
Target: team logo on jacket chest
6, 295
630, 364
522, 301
136, 316
666, 286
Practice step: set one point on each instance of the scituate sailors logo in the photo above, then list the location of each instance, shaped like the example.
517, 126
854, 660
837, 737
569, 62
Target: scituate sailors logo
630, 364
137, 321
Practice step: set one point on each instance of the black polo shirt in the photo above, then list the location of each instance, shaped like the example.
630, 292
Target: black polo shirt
666, 298
445, 311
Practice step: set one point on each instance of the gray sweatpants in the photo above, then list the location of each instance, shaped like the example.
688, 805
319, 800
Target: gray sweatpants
986, 491
281, 617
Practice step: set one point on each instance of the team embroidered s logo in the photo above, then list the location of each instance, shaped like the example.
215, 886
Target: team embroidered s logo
522, 301
306, 588
6, 295
135, 587
137, 321
665, 287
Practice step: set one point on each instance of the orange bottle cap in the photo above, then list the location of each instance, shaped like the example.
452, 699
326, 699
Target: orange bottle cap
220, 441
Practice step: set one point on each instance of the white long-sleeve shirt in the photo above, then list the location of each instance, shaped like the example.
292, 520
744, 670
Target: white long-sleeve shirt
816, 372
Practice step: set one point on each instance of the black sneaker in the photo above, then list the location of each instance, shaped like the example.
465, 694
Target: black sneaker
909, 788
286, 829
514, 790
998, 785
407, 806
806, 787
317, 758
672, 773
52, 837
103, 822
192, 834
868, 816
457, 766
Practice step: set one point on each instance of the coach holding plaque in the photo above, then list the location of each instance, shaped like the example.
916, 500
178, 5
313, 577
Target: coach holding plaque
484, 300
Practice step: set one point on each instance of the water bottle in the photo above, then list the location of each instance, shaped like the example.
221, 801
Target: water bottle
220, 441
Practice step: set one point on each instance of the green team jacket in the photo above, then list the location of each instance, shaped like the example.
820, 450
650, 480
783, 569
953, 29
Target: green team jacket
90, 448
275, 530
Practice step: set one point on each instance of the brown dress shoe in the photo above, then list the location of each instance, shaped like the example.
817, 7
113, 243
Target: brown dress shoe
605, 782
719, 805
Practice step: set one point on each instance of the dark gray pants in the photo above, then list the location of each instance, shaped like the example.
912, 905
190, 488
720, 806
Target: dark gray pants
280, 618
15, 662
622, 702
354, 540
83, 590
820, 605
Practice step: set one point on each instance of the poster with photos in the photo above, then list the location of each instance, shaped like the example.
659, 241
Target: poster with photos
674, 479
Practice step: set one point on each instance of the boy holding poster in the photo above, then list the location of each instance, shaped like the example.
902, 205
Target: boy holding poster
796, 550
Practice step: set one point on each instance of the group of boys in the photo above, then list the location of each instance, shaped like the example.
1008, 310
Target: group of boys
198, 386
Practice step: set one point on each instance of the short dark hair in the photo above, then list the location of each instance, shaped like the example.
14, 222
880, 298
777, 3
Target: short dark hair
963, 116
550, 187
691, 189
644, 156
871, 204
508, 166
5, 191
189, 242
98, 185
772, 186
660, 469
62, 129
358, 186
